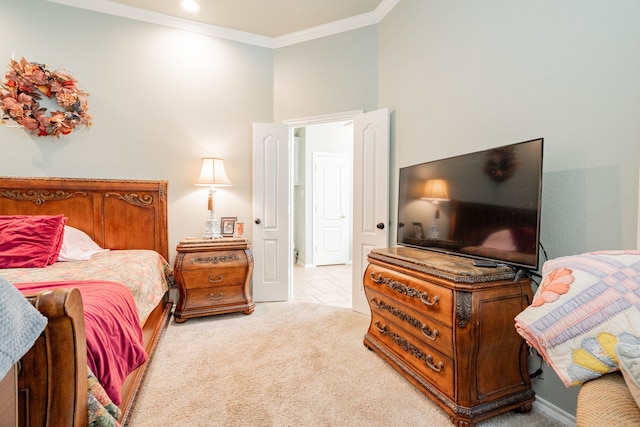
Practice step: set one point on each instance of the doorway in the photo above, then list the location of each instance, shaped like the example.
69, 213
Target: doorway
322, 188
273, 203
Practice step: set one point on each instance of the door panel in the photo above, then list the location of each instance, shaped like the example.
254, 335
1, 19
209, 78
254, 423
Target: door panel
271, 229
332, 206
371, 187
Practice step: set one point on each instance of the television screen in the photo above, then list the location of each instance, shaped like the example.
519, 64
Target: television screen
483, 205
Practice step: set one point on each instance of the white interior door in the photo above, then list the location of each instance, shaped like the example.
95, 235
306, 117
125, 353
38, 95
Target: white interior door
371, 195
271, 229
331, 208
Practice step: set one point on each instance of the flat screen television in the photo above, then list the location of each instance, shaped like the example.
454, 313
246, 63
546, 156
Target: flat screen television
483, 205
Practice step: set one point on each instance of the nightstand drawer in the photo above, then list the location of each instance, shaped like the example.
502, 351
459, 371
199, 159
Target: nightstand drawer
214, 260
210, 278
222, 295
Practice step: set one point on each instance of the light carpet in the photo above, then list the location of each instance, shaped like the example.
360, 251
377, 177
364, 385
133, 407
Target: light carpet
287, 364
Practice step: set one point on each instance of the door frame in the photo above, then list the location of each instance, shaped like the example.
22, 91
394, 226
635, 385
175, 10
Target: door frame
325, 118
315, 120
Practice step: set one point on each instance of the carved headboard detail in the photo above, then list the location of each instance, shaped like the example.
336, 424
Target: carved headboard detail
117, 214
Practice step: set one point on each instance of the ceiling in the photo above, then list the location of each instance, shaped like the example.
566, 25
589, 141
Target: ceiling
258, 21
269, 18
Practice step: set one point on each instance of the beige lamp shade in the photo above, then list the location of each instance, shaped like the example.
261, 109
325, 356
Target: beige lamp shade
212, 173
435, 190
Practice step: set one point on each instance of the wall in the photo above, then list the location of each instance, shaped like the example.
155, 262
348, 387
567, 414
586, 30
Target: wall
325, 76
464, 76
160, 98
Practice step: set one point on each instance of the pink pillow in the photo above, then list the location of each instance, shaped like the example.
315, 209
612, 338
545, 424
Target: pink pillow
30, 240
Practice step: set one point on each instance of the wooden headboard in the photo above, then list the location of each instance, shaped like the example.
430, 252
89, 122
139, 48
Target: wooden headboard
116, 214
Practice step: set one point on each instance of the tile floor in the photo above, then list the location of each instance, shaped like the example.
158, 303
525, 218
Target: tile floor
327, 284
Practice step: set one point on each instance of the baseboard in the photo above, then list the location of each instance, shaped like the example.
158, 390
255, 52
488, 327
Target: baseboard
554, 412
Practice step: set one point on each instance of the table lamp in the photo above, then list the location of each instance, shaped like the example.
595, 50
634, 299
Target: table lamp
212, 175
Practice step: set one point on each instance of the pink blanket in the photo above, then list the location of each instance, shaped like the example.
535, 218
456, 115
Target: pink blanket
115, 344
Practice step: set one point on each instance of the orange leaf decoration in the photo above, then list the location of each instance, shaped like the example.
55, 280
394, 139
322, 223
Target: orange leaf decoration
25, 82
554, 284
45, 90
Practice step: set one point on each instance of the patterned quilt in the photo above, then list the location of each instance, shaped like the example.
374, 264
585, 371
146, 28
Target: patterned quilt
584, 307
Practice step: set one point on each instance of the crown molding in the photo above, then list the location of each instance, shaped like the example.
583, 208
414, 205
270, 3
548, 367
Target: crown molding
385, 7
137, 14
329, 29
125, 11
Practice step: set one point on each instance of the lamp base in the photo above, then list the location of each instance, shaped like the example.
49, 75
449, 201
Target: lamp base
212, 228
433, 231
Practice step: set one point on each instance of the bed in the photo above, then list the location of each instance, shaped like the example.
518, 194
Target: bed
119, 215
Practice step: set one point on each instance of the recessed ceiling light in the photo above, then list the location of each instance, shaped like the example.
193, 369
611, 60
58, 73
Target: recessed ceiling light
190, 6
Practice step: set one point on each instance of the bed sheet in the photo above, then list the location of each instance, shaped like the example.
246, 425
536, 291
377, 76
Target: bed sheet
147, 274
115, 343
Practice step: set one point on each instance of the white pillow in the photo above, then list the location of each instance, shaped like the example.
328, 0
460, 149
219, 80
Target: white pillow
77, 245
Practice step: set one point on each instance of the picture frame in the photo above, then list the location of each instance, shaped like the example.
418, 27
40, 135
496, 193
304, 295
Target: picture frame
417, 230
228, 225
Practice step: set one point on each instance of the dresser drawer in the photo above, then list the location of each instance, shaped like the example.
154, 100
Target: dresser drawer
207, 278
420, 326
423, 359
434, 301
220, 295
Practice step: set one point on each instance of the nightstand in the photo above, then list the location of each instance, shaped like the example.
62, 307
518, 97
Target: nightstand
213, 277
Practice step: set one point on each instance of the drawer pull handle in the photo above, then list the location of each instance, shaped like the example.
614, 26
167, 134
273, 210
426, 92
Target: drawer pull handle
424, 297
404, 289
428, 333
214, 298
429, 362
380, 328
212, 280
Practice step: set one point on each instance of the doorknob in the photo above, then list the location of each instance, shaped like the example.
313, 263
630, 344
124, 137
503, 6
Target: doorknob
258, 221
380, 226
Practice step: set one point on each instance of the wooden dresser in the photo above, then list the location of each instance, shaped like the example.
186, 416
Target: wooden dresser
213, 277
448, 327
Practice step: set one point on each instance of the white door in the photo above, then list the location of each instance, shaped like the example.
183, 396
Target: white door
371, 195
331, 208
271, 229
